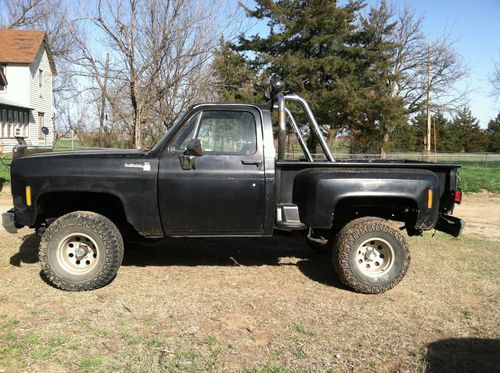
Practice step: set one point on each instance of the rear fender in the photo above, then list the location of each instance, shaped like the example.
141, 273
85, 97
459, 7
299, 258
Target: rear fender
318, 191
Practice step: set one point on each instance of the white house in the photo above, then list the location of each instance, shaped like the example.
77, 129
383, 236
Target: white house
26, 103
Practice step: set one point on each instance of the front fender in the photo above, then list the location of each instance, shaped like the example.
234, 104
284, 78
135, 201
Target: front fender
318, 191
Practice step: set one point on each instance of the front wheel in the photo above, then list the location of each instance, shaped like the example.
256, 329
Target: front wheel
81, 251
370, 256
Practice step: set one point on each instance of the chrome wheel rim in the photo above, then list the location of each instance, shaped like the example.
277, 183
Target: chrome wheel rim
77, 253
375, 257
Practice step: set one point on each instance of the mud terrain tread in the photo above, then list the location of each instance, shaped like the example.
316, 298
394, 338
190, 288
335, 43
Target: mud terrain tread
109, 234
346, 239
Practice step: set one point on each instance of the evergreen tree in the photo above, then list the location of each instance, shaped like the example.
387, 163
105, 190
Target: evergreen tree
311, 46
380, 112
340, 62
404, 138
471, 138
236, 80
494, 135
447, 136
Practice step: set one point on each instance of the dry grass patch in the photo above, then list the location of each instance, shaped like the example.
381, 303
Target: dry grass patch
255, 305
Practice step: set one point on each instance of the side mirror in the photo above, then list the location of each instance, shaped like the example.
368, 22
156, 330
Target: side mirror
194, 147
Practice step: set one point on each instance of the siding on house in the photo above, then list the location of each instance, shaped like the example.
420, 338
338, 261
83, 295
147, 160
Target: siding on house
18, 78
41, 103
23, 54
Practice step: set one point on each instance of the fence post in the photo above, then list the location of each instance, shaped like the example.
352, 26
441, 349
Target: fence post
486, 160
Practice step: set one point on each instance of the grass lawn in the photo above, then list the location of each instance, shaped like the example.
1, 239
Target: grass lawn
66, 144
4, 171
475, 179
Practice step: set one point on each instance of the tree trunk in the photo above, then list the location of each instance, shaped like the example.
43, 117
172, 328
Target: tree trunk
137, 130
385, 143
332, 133
312, 143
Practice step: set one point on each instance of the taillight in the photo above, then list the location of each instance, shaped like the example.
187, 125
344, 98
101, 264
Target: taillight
458, 196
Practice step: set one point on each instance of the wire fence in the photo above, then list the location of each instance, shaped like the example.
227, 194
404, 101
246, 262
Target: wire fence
491, 160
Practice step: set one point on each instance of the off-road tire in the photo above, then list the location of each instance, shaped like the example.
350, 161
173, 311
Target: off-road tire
345, 255
109, 255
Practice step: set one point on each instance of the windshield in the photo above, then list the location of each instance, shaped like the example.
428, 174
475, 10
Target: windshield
179, 119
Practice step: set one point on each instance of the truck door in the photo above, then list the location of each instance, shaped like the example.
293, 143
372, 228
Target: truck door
224, 191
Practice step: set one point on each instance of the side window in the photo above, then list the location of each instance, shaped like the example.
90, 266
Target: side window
186, 134
221, 132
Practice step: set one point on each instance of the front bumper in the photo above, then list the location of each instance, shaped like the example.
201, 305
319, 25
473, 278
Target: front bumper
8, 221
450, 224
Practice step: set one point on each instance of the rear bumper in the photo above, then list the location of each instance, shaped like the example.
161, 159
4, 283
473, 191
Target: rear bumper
450, 224
8, 222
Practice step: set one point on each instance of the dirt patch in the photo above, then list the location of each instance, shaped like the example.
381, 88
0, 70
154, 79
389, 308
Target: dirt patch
5, 198
226, 305
481, 211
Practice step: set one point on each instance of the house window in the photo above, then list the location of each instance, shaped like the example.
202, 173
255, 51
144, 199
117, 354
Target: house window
3, 123
14, 123
40, 83
26, 124
3, 79
41, 124
10, 126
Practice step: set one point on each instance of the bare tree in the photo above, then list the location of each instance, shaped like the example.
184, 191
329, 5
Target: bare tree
22, 13
411, 67
157, 65
495, 81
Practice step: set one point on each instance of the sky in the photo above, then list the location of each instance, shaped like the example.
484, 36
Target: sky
474, 27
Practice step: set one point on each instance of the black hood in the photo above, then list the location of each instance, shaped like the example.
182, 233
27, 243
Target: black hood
88, 153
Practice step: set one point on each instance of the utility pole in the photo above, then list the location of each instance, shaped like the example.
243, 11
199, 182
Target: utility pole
429, 119
103, 99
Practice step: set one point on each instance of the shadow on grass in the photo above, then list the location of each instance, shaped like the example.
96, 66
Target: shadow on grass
214, 252
28, 251
233, 252
463, 355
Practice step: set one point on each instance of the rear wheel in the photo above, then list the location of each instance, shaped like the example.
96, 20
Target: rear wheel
81, 251
370, 256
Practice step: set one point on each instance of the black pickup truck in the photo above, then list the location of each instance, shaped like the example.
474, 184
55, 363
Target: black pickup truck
219, 172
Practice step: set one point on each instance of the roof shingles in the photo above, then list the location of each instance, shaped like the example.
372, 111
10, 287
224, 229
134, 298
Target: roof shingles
20, 46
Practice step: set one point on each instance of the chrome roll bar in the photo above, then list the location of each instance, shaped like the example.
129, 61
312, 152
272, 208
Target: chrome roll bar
301, 140
283, 111
298, 134
282, 125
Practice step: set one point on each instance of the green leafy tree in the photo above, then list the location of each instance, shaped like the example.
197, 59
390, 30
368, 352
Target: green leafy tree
493, 132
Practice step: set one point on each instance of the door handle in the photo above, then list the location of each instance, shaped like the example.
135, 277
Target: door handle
255, 163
